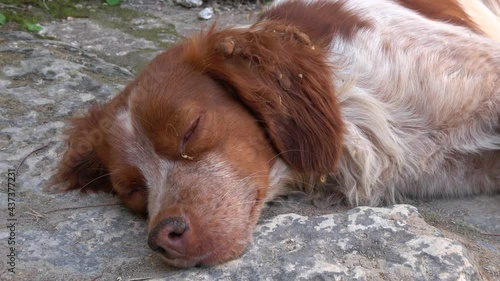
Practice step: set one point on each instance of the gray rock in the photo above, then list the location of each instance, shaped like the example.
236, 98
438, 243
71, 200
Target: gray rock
365, 243
206, 13
189, 3
83, 33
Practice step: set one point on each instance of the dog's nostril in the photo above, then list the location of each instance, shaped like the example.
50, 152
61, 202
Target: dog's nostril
174, 235
169, 234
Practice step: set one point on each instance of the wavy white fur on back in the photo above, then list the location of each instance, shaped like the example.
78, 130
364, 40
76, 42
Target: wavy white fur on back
430, 129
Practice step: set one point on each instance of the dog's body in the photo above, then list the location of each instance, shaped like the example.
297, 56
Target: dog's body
412, 126
363, 101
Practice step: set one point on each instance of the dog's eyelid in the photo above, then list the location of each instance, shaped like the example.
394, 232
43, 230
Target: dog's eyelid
186, 137
136, 188
191, 129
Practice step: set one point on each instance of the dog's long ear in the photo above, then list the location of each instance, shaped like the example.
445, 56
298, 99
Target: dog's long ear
83, 165
284, 79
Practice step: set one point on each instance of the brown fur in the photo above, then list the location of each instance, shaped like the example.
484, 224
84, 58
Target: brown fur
284, 81
83, 165
320, 28
442, 10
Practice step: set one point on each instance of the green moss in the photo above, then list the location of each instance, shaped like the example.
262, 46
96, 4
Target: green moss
26, 14
2, 18
57, 9
113, 2
21, 19
121, 18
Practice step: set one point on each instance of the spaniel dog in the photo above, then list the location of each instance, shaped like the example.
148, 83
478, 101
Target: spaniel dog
363, 102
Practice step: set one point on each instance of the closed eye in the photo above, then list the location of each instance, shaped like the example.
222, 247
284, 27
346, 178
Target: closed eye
134, 190
186, 137
136, 187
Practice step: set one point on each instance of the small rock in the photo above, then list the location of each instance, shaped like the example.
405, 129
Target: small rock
206, 13
139, 21
189, 3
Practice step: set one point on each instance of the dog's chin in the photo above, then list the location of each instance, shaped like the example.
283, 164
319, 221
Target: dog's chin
209, 259
180, 263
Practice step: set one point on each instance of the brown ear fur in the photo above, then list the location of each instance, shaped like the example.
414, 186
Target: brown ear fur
83, 164
284, 79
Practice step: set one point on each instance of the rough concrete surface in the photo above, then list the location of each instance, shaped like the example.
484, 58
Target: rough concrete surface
44, 81
365, 243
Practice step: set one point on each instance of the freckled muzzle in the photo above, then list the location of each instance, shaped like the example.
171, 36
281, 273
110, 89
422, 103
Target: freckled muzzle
186, 237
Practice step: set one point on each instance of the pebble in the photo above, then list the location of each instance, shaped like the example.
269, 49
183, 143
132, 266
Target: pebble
189, 3
206, 13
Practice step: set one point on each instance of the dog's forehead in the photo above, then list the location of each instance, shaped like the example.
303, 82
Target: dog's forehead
136, 145
138, 151
147, 134
134, 148
168, 90
174, 80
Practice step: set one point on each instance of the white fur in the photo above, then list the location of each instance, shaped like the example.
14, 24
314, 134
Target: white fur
485, 18
420, 100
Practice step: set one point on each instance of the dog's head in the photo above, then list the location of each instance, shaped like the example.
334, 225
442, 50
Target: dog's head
207, 133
